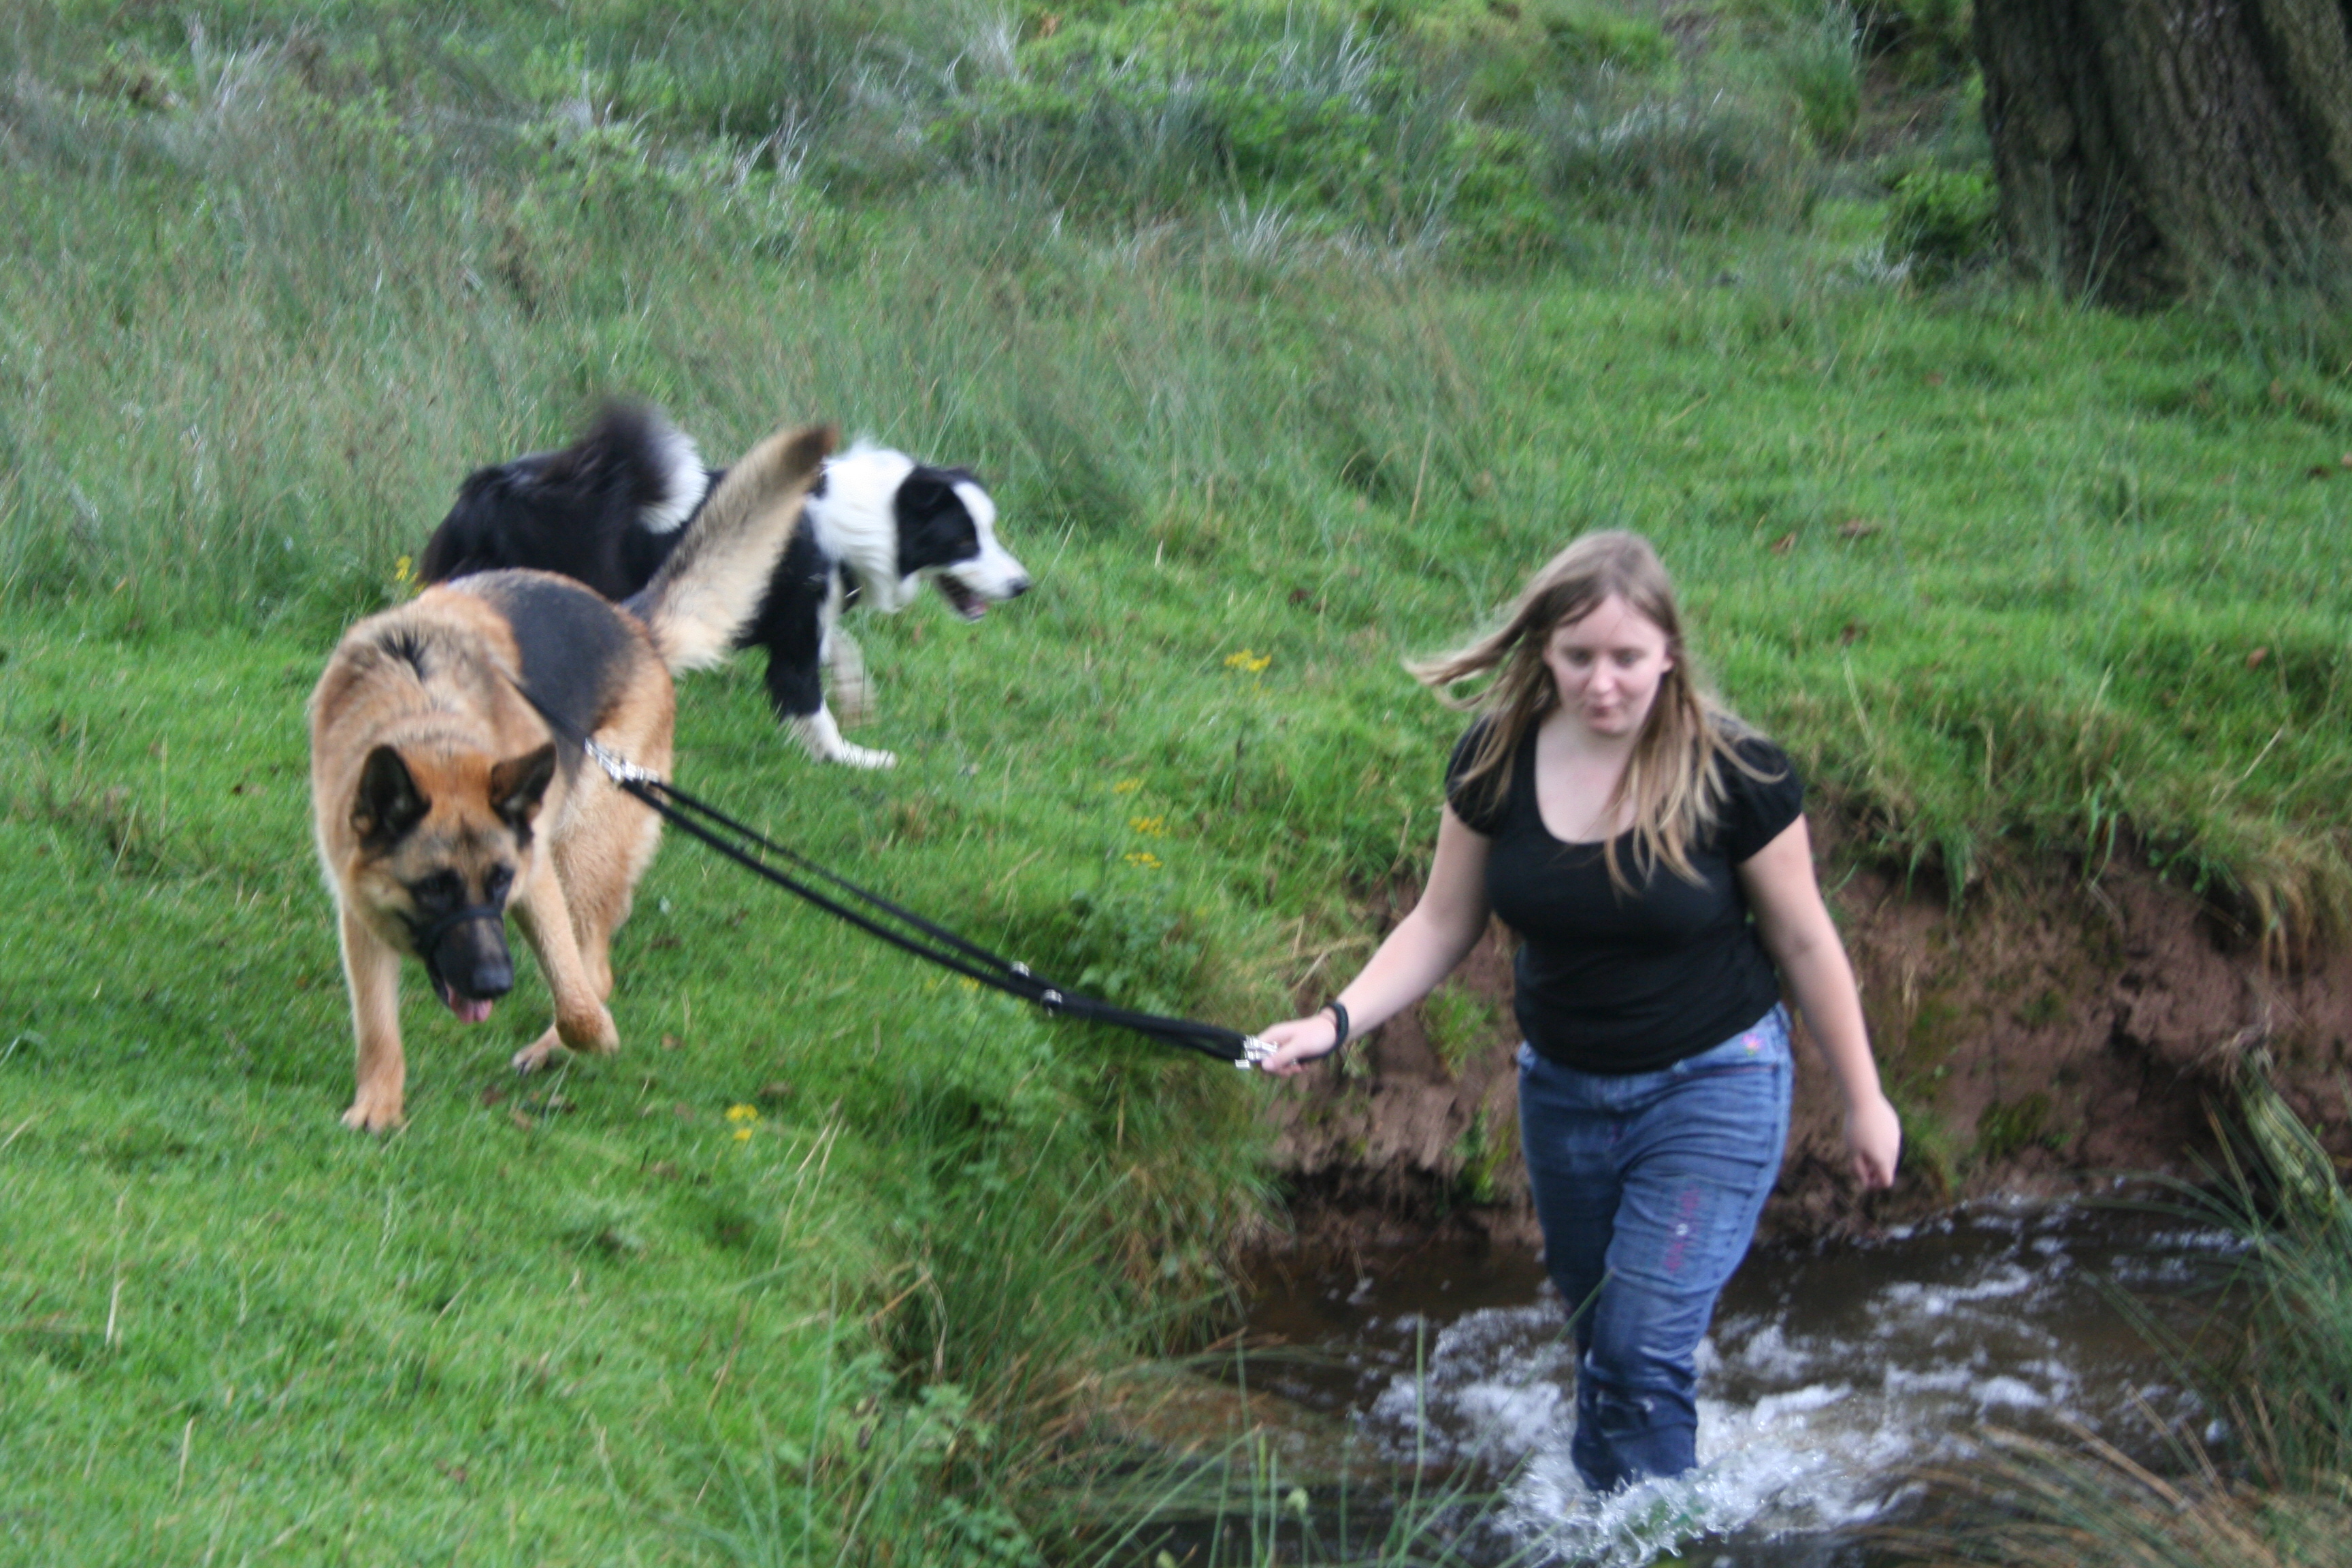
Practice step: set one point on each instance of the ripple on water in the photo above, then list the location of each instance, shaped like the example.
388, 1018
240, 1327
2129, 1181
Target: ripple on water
1829, 1377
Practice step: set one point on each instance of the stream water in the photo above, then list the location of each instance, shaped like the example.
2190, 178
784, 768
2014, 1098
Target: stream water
1829, 1376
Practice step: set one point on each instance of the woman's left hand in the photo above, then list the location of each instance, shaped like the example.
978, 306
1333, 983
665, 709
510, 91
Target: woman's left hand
1874, 1135
1798, 932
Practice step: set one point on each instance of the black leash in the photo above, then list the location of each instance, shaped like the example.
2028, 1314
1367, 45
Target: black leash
746, 846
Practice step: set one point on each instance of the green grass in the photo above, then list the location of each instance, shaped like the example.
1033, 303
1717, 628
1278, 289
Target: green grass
582, 1318
2012, 578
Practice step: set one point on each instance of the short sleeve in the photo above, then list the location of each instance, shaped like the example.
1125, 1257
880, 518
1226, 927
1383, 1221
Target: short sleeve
1760, 800
1480, 807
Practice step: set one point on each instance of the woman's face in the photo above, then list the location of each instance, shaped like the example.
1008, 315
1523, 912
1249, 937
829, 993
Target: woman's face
1606, 667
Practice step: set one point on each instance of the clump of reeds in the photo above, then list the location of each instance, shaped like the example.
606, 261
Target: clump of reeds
2283, 1499
2039, 1504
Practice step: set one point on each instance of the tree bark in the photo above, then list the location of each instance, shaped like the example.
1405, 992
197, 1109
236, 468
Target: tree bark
2145, 148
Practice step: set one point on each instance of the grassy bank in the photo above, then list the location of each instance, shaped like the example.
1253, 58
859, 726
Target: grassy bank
2002, 570
1265, 416
752, 1292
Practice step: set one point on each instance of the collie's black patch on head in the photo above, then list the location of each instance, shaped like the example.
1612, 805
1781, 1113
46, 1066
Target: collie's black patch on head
935, 528
577, 650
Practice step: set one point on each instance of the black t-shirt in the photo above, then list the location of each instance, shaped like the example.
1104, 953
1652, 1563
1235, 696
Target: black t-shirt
1610, 982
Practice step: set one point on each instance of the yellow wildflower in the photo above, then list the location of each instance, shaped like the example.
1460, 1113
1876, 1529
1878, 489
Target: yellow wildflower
742, 1135
1150, 827
743, 1113
1145, 859
1127, 786
1247, 662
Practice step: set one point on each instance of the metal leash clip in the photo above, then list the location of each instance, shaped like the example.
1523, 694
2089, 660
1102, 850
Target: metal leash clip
616, 768
1254, 1052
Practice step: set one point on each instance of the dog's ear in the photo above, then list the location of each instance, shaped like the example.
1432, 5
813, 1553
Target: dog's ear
389, 802
518, 785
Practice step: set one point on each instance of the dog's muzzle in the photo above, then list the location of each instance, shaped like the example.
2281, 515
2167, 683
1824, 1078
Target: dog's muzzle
972, 603
465, 954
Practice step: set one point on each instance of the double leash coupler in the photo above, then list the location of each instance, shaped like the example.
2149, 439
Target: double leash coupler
935, 943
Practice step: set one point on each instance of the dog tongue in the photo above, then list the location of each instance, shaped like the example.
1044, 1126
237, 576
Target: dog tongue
467, 1010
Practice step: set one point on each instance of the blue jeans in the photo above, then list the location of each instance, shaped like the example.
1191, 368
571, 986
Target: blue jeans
1647, 1186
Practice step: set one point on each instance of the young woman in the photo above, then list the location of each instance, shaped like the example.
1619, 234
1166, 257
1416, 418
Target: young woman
1650, 851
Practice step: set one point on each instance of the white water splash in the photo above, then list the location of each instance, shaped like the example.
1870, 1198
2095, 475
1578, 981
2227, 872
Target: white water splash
1810, 1418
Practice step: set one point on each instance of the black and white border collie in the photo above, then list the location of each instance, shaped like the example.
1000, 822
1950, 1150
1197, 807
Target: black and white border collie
610, 508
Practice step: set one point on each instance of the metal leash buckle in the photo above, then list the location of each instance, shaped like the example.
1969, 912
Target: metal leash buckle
1254, 1052
616, 768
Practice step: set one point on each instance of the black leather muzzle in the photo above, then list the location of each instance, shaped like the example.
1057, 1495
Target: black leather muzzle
465, 952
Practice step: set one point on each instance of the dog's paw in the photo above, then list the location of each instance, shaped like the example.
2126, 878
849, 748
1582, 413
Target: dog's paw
591, 1033
822, 736
373, 1113
534, 1055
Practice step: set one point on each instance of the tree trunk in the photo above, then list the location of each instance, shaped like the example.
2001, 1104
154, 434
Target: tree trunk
2145, 148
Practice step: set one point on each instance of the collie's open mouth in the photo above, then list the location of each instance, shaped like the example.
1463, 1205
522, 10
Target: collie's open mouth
961, 599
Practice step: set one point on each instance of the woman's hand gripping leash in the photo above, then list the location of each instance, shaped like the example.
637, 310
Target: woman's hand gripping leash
1285, 1049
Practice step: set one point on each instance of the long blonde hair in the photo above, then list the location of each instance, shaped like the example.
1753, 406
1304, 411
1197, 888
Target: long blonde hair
1671, 780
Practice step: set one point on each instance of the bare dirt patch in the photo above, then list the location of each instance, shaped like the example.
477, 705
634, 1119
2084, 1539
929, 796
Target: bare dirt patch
2056, 1033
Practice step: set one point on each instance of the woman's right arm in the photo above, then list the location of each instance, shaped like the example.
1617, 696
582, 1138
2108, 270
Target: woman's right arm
1423, 949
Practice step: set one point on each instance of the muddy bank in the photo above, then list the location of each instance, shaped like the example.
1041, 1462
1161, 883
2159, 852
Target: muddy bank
2054, 1033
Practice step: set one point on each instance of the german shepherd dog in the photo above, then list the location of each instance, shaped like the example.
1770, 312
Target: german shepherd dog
443, 799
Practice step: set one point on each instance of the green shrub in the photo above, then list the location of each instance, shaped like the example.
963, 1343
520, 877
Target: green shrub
2290, 1206
1140, 950
1929, 42
1587, 36
1675, 162
2008, 1127
1461, 1022
1939, 222
1315, 118
1129, 133
1498, 215
1822, 72
1481, 1155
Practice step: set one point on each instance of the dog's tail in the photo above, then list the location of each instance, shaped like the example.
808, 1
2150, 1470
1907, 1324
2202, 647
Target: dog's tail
633, 452
706, 594
632, 468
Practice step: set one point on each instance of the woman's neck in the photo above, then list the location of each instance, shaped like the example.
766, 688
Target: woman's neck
1563, 736
1577, 775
